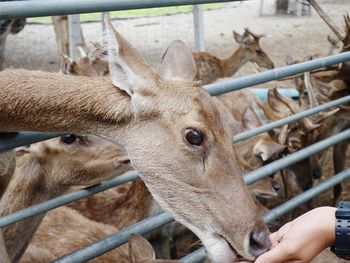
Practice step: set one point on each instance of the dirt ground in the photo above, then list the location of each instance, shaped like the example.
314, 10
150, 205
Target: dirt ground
35, 47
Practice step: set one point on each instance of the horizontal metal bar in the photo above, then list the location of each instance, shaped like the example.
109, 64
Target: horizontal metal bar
200, 254
293, 158
306, 196
8, 142
272, 125
274, 74
104, 245
94, 250
65, 199
36, 8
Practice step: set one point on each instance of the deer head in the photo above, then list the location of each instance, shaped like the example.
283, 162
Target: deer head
82, 67
141, 251
253, 51
173, 132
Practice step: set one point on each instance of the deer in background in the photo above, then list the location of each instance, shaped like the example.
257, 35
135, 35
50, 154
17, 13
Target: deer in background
46, 170
211, 68
149, 113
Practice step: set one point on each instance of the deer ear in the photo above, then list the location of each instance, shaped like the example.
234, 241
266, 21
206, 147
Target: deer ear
241, 39
127, 68
275, 103
250, 119
140, 250
178, 63
266, 149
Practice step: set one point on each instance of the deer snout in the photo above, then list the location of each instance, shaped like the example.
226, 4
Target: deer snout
259, 242
317, 173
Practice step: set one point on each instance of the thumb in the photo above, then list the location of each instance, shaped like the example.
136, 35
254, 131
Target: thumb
279, 254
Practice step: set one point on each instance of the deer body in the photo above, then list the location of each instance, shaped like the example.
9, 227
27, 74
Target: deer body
211, 68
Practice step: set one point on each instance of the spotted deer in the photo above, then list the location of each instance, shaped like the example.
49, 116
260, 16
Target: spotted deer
151, 113
211, 68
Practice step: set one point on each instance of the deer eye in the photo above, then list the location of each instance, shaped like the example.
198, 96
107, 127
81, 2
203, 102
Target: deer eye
194, 137
68, 138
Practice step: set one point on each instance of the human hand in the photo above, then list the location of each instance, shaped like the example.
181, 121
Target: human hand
302, 239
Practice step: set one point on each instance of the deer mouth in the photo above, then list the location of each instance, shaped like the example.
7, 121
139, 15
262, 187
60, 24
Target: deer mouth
221, 250
239, 258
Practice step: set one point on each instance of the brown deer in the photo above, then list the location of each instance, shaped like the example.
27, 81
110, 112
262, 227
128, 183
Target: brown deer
211, 68
46, 170
150, 113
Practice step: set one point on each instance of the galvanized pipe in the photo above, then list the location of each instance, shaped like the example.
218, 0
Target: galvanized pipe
104, 245
274, 74
293, 158
272, 125
36, 8
65, 199
249, 178
8, 142
306, 196
200, 254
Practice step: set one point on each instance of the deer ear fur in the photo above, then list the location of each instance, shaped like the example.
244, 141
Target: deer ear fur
140, 250
266, 149
178, 63
128, 70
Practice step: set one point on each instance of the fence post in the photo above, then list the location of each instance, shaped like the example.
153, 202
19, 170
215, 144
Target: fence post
198, 27
74, 35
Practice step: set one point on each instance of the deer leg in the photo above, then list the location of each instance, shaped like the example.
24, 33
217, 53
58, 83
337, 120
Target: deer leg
339, 156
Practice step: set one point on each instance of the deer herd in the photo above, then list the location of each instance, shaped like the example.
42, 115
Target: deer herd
120, 114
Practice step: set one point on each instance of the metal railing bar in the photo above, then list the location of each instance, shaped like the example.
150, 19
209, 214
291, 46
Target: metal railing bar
293, 158
65, 199
25, 138
306, 196
249, 178
272, 125
36, 8
200, 254
104, 245
250, 80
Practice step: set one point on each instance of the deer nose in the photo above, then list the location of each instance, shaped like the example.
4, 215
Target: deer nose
276, 186
317, 173
259, 243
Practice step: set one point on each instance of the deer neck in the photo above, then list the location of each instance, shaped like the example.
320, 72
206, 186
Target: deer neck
234, 62
84, 109
28, 186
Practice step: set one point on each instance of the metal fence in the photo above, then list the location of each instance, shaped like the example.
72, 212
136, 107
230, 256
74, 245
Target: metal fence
9, 141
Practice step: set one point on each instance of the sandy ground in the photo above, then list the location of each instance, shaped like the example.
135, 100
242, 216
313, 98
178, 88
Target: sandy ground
35, 47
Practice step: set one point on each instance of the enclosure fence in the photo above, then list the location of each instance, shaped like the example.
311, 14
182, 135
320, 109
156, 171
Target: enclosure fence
17, 9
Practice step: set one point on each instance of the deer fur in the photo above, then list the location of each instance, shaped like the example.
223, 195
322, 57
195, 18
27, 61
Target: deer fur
64, 230
150, 113
211, 68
